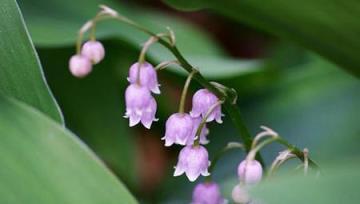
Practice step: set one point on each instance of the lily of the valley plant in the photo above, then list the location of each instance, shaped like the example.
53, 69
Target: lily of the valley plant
186, 128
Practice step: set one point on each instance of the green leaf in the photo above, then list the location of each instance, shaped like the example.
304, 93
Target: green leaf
57, 23
329, 27
338, 184
42, 162
20, 71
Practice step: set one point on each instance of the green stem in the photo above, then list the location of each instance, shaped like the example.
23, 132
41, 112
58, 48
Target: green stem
222, 152
230, 106
203, 122
185, 90
297, 152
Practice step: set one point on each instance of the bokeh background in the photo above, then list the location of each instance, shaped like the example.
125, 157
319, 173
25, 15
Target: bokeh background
308, 100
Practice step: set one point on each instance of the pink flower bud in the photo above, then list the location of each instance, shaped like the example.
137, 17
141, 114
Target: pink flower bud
240, 194
178, 129
193, 161
250, 172
79, 66
201, 103
94, 51
148, 76
204, 131
140, 105
207, 193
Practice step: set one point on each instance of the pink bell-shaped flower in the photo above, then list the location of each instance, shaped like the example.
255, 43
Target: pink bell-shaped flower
193, 161
148, 76
207, 193
140, 105
250, 172
204, 131
80, 66
240, 194
202, 100
178, 129
93, 50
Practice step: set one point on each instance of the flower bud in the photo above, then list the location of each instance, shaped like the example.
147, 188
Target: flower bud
204, 131
193, 161
202, 100
207, 193
250, 172
140, 105
240, 194
148, 76
94, 51
178, 129
80, 66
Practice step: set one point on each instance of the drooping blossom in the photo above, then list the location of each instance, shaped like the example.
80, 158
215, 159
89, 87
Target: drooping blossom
140, 105
240, 194
178, 129
250, 171
202, 100
193, 161
207, 193
93, 50
148, 76
80, 66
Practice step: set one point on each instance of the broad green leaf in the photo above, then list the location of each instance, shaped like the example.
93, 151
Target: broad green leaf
329, 27
41, 162
55, 23
20, 70
338, 184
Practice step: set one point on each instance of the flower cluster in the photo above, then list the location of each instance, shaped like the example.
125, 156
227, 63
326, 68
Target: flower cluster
182, 128
92, 52
190, 130
140, 104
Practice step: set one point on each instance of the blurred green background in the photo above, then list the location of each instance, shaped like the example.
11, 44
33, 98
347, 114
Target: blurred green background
294, 67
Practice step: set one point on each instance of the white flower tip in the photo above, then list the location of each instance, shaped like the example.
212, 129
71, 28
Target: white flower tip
156, 89
219, 121
109, 11
86, 27
133, 122
192, 177
178, 172
147, 125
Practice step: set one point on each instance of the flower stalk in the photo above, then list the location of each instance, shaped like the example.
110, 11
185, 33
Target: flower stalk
203, 121
185, 90
228, 96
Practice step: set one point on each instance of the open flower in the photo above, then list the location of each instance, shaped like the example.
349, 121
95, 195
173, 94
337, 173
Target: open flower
148, 76
204, 131
80, 66
93, 50
207, 193
140, 105
193, 161
250, 171
202, 100
178, 129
